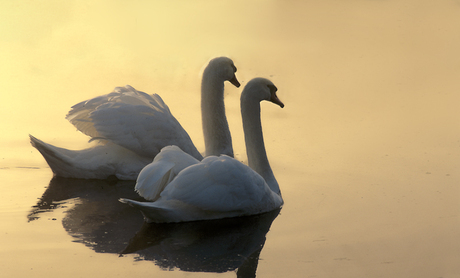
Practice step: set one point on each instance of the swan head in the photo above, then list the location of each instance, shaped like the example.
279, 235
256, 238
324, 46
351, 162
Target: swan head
224, 68
261, 89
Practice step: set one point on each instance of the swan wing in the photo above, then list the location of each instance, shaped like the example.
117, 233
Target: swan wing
165, 167
219, 184
153, 178
79, 114
132, 119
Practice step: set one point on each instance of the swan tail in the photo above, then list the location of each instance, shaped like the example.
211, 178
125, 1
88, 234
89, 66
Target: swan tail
163, 211
72, 164
151, 212
54, 156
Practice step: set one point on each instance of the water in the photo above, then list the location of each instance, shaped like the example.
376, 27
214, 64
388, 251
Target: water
366, 150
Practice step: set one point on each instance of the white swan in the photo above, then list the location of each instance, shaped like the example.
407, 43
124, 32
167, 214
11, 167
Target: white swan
217, 187
132, 127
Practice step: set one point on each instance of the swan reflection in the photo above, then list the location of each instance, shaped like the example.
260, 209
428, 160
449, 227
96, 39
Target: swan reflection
208, 246
94, 217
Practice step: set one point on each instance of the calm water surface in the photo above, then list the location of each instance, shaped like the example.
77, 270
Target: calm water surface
366, 150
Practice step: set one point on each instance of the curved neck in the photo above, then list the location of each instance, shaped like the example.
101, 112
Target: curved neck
217, 138
255, 147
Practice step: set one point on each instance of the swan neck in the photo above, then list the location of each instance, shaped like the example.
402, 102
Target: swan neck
255, 147
217, 137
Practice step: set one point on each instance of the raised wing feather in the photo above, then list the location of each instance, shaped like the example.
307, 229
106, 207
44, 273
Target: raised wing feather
80, 114
153, 179
158, 174
132, 119
142, 129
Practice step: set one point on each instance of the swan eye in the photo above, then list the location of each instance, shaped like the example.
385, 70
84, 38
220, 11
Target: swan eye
234, 68
272, 88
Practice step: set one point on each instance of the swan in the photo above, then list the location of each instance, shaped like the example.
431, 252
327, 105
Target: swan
218, 186
132, 127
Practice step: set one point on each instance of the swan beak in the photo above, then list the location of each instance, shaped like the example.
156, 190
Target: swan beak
274, 98
234, 81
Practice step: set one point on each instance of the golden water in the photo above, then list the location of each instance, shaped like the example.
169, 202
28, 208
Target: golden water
366, 150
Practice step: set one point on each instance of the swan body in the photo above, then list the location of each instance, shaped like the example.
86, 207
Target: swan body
218, 186
131, 128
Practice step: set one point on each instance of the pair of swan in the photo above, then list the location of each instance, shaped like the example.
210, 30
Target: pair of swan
132, 127
182, 188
